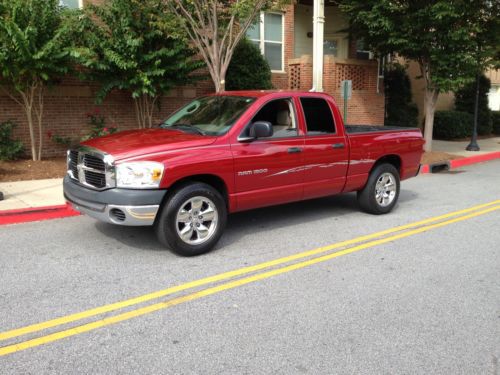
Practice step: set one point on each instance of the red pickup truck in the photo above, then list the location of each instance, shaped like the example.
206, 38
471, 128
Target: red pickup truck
237, 151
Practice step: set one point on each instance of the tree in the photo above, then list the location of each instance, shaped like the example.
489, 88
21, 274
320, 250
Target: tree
248, 70
435, 33
399, 108
485, 40
33, 54
135, 45
216, 27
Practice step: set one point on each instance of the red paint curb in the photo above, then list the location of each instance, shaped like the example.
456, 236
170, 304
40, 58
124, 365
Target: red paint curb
25, 215
457, 163
425, 168
474, 159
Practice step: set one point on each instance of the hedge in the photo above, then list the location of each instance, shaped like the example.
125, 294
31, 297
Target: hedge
452, 125
495, 119
248, 69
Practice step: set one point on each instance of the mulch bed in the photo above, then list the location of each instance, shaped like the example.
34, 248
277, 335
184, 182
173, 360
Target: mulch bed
437, 156
21, 170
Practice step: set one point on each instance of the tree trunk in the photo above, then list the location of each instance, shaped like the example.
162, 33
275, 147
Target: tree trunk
430, 100
27, 104
32, 103
39, 116
144, 108
218, 79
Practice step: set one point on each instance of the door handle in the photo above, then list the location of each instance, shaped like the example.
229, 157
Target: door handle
294, 150
338, 145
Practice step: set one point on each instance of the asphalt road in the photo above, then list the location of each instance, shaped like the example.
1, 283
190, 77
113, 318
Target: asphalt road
422, 300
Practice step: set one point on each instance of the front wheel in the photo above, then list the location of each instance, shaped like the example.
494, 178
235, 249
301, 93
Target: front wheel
381, 192
192, 220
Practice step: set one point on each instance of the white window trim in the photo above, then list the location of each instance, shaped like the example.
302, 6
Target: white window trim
262, 41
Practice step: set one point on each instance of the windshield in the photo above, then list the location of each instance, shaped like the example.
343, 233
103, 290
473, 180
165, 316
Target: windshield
210, 115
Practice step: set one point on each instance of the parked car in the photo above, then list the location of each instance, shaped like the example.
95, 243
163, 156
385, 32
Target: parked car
237, 151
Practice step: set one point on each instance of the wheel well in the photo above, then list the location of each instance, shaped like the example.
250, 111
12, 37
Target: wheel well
215, 181
395, 160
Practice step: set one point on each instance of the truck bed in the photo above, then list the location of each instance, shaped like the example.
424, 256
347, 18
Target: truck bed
357, 129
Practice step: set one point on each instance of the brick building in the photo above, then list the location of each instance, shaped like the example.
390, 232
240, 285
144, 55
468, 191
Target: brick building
285, 38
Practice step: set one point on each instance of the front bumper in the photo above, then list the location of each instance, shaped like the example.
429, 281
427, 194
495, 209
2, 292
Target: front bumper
117, 206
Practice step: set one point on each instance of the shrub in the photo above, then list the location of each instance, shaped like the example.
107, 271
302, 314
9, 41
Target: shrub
98, 126
400, 111
452, 124
495, 120
10, 149
465, 101
248, 69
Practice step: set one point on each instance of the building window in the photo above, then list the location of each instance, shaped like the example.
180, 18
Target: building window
267, 34
335, 45
494, 98
361, 52
72, 4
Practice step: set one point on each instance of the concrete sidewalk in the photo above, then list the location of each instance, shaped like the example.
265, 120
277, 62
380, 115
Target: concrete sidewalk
43, 193
27, 194
458, 148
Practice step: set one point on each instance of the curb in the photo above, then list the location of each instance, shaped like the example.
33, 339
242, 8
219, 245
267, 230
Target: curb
25, 215
457, 163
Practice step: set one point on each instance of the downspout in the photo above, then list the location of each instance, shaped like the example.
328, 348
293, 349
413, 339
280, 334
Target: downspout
318, 39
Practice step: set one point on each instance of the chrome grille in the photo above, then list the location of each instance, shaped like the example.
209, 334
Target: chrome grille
93, 162
90, 168
73, 163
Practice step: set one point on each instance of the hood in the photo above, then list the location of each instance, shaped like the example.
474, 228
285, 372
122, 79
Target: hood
132, 143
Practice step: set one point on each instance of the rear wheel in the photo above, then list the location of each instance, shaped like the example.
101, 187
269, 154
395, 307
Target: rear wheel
192, 220
381, 192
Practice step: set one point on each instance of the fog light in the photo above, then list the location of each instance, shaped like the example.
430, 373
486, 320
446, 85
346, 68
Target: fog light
117, 215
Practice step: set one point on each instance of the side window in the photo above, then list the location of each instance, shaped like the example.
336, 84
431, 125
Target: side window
281, 114
318, 116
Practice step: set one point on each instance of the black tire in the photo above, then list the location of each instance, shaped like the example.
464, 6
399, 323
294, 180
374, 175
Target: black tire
168, 229
367, 197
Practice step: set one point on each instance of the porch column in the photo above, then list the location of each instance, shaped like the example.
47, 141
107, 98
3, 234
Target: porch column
318, 38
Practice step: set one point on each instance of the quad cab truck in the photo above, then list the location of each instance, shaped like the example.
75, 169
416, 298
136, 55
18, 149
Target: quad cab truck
237, 151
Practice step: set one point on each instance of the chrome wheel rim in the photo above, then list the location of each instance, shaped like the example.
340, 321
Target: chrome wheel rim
385, 189
197, 220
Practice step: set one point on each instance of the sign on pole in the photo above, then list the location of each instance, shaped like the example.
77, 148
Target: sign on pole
346, 93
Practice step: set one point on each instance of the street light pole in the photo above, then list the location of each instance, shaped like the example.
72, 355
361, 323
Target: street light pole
473, 146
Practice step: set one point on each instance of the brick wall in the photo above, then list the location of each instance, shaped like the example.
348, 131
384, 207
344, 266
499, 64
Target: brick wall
366, 105
66, 107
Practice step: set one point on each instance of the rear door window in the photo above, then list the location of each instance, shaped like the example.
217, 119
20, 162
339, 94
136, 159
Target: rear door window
318, 116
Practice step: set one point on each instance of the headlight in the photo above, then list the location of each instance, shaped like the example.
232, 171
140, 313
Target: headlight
139, 175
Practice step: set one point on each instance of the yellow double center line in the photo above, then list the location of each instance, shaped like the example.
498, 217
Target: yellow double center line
364, 242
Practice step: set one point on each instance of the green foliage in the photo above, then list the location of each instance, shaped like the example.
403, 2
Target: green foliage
495, 119
400, 110
452, 125
134, 45
10, 149
34, 53
248, 69
437, 34
98, 127
60, 140
465, 101
33, 40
